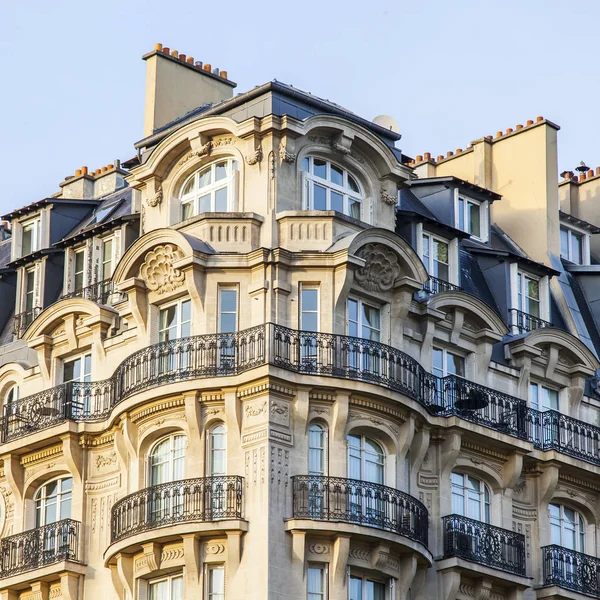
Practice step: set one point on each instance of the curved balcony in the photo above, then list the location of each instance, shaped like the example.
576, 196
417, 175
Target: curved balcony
357, 502
523, 322
484, 544
204, 499
40, 547
571, 570
305, 352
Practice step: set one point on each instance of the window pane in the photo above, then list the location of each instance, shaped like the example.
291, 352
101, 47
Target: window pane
220, 171
205, 178
456, 365
337, 175
221, 200
319, 197
310, 299
204, 203
461, 214
353, 185
305, 164
375, 590
177, 588
370, 316
356, 588
354, 208
533, 288
549, 399
189, 186
107, 249
216, 583
474, 219
426, 246
533, 396
576, 248
320, 168
564, 243
337, 201
315, 581
438, 362
187, 210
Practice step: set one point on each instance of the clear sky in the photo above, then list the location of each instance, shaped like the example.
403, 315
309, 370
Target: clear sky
72, 82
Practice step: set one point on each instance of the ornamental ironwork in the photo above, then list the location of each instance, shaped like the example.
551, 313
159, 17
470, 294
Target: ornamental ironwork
571, 570
102, 292
524, 322
200, 500
484, 544
23, 320
434, 285
353, 501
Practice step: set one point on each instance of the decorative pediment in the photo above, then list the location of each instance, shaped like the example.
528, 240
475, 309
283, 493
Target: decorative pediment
381, 270
158, 271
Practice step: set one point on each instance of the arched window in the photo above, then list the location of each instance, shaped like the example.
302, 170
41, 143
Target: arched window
11, 395
167, 460
53, 501
328, 186
211, 189
470, 497
567, 527
366, 459
217, 449
317, 450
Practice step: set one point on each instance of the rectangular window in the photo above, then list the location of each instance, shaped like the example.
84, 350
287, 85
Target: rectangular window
29, 290
309, 308
30, 237
469, 216
168, 588
228, 310
436, 257
78, 369
528, 290
542, 397
216, 582
447, 363
79, 272
571, 246
316, 583
175, 321
364, 321
366, 589
107, 259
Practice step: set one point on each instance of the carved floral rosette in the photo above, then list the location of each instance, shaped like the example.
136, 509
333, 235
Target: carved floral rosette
381, 269
158, 271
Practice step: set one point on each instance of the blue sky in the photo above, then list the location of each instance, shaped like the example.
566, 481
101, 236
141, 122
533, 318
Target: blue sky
449, 72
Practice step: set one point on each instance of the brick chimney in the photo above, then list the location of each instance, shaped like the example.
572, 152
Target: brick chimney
176, 84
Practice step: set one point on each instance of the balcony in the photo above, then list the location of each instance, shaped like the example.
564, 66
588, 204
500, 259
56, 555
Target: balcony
23, 320
571, 570
435, 285
204, 499
484, 544
523, 322
101, 292
359, 502
40, 547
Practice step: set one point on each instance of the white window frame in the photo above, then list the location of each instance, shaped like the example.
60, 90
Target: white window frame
467, 494
179, 303
230, 182
580, 527
83, 377
228, 288
36, 242
84, 275
171, 459
309, 179
210, 450
34, 274
544, 292
323, 449
40, 502
445, 353
359, 322
11, 395
541, 387
453, 262
585, 243
323, 593
365, 579
210, 594
103, 260
363, 457
170, 578
301, 311
484, 210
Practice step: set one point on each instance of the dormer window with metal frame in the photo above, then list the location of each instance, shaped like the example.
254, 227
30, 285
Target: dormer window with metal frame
530, 301
31, 236
328, 186
440, 257
211, 189
472, 216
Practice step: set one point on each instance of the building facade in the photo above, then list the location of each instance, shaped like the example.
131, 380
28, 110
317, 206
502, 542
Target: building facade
272, 356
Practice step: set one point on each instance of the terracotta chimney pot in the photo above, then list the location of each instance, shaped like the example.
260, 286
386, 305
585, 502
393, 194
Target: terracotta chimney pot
419, 158
158, 47
539, 119
223, 74
582, 176
427, 156
440, 157
190, 60
590, 173
529, 122
489, 137
98, 171
575, 178
174, 53
182, 57
509, 130
104, 169
499, 134
208, 67
111, 166
166, 50
597, 171
519, 126
84, 170
77, 172
458, 150
449, 153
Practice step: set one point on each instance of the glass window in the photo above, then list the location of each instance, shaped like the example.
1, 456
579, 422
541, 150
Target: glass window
316, 583
309, 309
78, 369
175, 321
218, 451
366, 459
107, 259
528, 290
470, 497
317, 450
366, 589
447, 363
29, 290
167, 460
542, 397
364, 321
330, 187
53, 501
567, 527
216, 582
12, 395
227, 310
469, 216
31, 237
571, 245
436, 257
79, 275
209, 190
168, 588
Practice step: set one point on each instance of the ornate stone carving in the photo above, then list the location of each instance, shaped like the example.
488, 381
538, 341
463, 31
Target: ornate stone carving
318, 548
254, 411
388, 198
169, 554
202, 151
360, 554
105, 460
158, 271
381, 269
340, 148
285, 156
279, 409
214, 548
156, 199
256, 157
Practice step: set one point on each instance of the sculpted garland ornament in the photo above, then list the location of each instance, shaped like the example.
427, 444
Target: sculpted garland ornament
388, 198
156, 199
381, 268
158, 272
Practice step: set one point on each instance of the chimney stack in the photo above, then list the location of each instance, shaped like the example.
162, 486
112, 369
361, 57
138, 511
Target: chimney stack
175, 85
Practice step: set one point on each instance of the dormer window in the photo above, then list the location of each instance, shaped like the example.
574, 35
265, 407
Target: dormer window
436, 257
79, 272
440, 257
328, 186
471, 216
574, 246
530, 301
31, 234
212, 189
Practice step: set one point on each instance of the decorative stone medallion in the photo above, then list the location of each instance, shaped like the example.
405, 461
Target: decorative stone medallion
158, 272
381, 268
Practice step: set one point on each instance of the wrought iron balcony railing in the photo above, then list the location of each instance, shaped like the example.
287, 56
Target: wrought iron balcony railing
200, 500
102, 292
225, 354
352, 501
434, 285
524, 322
571, 570
40, 547
484, 544
23, 320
